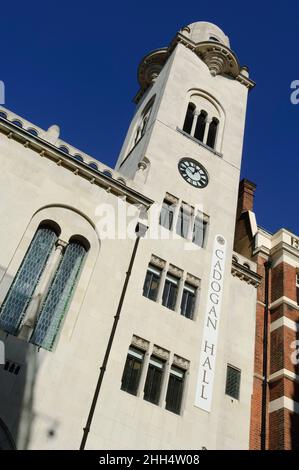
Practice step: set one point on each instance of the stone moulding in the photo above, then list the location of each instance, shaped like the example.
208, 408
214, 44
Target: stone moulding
220, 59
245, 274
180, 362
47, 150
161, 353
156, 261
140, 343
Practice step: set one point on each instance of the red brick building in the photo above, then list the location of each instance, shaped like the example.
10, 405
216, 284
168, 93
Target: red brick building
275, 398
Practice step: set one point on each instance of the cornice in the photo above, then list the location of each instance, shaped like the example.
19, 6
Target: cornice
220, 59
245, 274
47, 150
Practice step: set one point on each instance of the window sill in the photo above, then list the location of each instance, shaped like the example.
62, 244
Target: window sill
199, 142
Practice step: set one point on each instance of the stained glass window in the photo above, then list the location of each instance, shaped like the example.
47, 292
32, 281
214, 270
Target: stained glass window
23, 286
58, 297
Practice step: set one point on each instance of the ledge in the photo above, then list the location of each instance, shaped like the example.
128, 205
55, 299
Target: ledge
199, 142
81, 169
245, 274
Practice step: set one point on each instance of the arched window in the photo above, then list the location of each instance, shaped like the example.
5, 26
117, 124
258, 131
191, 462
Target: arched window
107, 173
59, 294
200, 126
3, 114
204, 120
143, 120
211, 139
32, 131
18, 123
22, 288
212, 38
64, 149
40, 293
93, 165
78, 157
189, 118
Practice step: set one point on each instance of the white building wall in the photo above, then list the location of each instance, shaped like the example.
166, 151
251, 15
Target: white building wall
58, 391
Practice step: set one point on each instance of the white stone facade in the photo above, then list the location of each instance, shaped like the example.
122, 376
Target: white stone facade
45, 406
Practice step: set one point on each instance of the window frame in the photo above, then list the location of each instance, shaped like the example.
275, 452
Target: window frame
170, 283
154, 271
193, 290
175, 373
232, 368
156, 368
138, 356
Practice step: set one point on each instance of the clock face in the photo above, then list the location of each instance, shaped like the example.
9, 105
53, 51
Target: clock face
193, 172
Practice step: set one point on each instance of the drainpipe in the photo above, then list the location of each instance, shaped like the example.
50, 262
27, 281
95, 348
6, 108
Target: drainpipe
267, 266
140, 232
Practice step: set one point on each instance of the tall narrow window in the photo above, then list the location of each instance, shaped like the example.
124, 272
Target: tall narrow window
153, 382
132, 371
199, 229
170, 292
297, 287
152, 282
188, 301
233, 380
166, 215
189, 118
58, 297
183, 221
200, 126
22, 288
143, 120
175, 390
211, 139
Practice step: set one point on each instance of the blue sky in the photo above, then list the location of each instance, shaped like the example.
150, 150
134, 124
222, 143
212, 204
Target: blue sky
74, 64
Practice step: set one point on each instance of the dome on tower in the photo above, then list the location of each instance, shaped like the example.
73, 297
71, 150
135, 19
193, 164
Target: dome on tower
202, 31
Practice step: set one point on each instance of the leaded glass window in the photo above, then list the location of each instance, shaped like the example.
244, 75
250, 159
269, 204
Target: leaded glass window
184, 221
23, 286
152, 282
170, 291
188, 301
153, 382
233, 380
166, 215
199, 229
132, 371
175, 390
58, 297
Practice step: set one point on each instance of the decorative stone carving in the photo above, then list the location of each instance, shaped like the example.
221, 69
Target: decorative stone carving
193, 280
161, 353
160, 263
151, 66
180, 362
170, 198
245, 274
177, 272
140, 343
219, 58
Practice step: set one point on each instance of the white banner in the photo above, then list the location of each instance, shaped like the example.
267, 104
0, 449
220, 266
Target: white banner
207, 362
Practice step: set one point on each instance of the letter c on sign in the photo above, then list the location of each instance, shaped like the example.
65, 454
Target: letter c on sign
219, 251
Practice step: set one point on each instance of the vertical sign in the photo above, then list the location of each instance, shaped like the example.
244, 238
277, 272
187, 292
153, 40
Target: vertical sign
207, 362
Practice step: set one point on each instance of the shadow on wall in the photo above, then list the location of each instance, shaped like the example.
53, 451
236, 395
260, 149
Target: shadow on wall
17, 378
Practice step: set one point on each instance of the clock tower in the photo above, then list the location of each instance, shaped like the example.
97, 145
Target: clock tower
183, 149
